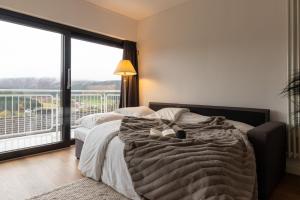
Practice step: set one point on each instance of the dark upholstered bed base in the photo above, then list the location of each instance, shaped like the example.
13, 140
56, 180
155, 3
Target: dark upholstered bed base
268, 140
78, 148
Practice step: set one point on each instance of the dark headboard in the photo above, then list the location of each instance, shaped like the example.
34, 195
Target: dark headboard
252, 116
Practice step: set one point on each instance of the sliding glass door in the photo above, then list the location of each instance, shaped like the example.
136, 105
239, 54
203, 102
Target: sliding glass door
95, 89
38, 102
30, 87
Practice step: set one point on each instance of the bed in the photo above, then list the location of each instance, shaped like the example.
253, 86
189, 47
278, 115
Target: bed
270, 161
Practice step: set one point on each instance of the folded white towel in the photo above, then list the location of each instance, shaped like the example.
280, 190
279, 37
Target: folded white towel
165, 132
168, 132
155, 132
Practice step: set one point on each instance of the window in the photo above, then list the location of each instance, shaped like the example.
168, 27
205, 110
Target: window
37, 106
29, 87
95, 89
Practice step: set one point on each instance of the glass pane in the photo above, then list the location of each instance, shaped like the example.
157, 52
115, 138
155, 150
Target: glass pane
95, 89
30, 63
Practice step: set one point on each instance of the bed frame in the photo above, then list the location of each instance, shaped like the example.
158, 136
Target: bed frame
268, 140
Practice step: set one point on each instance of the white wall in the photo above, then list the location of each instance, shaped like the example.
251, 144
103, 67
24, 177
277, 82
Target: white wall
77, 13
216, 52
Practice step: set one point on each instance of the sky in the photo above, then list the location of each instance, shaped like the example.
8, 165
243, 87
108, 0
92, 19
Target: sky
31, 52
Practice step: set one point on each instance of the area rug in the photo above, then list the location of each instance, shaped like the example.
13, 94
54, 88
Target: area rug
83, 189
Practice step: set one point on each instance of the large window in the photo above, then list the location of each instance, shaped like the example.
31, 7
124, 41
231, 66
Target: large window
38, 102
29, 87
95, 89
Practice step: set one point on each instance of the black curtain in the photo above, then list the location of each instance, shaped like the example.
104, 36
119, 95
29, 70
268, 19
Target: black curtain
132, 82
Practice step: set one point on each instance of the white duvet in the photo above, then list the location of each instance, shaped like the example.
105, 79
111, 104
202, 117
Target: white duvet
102, 158
114, 171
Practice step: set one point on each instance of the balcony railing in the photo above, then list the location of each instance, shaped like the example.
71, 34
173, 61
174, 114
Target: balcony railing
31, 112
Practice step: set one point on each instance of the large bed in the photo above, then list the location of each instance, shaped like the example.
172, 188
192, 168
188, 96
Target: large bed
267, 138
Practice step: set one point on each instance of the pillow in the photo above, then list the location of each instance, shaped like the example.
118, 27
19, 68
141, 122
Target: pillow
152, 116
240, 125
171, 114
107, 117
135, 111
90, 121
191, 118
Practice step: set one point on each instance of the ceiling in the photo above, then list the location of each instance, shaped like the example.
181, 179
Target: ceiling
137, 9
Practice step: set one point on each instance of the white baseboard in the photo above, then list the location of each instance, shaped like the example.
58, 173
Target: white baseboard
293, 166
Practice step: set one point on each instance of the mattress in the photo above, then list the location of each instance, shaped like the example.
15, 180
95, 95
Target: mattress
81, 133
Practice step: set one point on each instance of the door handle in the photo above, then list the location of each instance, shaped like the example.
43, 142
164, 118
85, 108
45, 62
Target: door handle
69, 79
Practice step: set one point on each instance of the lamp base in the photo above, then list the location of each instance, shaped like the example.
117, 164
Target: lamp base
125, 91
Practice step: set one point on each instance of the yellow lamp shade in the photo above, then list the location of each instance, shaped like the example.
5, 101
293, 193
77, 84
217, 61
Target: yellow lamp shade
125, 68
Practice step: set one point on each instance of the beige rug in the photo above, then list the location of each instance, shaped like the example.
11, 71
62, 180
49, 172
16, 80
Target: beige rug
84, 189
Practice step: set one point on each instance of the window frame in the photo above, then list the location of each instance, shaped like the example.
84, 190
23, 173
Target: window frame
67, 33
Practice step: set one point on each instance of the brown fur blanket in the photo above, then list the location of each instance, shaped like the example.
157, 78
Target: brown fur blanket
215, 161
